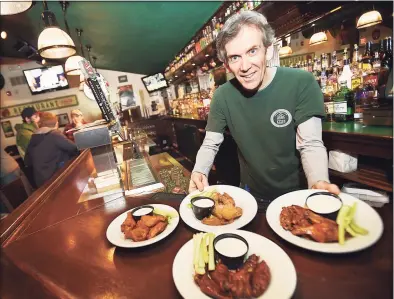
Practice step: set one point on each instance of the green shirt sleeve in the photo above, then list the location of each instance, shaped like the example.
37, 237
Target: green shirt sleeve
216, 118
310, 101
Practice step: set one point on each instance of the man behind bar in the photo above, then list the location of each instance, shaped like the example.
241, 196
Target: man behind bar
271, 113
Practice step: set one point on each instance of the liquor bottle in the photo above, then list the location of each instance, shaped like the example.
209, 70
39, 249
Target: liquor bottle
310, 66
346, 72
356, 70
332, 79
367, 58
344, 103
387, 60
376, 63
381, 49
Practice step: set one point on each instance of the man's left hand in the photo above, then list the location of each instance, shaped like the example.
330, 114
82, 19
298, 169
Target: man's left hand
327, 186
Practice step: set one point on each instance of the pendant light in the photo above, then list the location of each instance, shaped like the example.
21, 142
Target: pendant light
318, 38
369, 18
285, 50
72, 67
14, 7
53, 42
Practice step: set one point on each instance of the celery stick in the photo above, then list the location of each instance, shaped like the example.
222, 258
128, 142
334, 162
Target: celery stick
343, 212
341, 233
201, 263
199, 270
350, 231
351, 213
196, 249
205, 248
358, 229
211, 255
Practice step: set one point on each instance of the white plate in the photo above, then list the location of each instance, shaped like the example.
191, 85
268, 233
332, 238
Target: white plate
365, 216
242, 198
283, 275
116, 237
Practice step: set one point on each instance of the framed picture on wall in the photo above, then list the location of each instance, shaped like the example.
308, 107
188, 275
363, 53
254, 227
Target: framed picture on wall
63, 119
7, 129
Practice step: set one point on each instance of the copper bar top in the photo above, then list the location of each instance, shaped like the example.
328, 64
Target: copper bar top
73, 259
63, 252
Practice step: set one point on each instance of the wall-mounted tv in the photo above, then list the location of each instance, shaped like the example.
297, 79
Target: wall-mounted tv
155, 82
46, 79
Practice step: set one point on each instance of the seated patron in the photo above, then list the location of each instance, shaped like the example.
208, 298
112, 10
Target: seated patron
25, 130
48, 150
76, 121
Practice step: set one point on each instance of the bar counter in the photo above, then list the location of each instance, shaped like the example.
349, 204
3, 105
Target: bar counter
60, 250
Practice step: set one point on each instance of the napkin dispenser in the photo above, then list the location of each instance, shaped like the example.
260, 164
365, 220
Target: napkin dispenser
342, 162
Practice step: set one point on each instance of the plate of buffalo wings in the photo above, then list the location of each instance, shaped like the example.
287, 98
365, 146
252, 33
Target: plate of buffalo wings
125, 231
234, 208
289, 217
266, 272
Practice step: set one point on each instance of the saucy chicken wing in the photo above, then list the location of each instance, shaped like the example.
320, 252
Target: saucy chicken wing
151, 221
303, 222
157, 229
209, 287
129, 222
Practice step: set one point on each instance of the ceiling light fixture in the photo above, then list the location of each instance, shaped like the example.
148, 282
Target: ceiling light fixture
193, 64
369, 19
3, 34
285, 50
53, 42
14, 7
43, 61
318, 38
206, 55
72, 67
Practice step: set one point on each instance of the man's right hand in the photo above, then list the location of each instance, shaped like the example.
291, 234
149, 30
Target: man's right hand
198, 181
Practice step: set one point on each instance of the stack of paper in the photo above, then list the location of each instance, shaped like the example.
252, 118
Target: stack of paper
374, 198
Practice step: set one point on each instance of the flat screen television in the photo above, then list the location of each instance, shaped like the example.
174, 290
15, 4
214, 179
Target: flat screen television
46, 79
155, 82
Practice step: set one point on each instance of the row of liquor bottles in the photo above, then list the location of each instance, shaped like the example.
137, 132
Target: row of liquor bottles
209, 33
349, 87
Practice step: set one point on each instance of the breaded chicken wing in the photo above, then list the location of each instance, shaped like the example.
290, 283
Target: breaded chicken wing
151, 221
129, 222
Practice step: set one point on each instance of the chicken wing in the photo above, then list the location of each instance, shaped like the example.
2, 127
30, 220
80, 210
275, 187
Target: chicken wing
261, 278
209, 287
129, 222
213, 220
157, 229
137, 234
226, 199
151, 221
303, 222
221, 276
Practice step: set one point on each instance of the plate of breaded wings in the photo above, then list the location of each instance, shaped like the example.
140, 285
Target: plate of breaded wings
131, 232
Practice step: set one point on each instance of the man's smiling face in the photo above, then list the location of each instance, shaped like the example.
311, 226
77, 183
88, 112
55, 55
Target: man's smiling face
246, 57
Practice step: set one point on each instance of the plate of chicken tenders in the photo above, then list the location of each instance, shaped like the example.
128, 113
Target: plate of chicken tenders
218, 208
321, 221
142, 226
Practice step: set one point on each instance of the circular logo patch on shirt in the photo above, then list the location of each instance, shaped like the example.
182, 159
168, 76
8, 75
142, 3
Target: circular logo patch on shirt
281, 118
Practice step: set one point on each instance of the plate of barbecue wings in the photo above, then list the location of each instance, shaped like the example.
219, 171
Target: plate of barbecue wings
292, 221
126, 232
280, 283
234, 208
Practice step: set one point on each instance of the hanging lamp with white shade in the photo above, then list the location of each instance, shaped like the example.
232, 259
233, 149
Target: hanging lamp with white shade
318, 38
369, 18
14, 7
72, 67
53, 42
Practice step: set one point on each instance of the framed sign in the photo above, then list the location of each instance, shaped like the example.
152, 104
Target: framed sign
45, 105
122, 79
63, 119
7, 129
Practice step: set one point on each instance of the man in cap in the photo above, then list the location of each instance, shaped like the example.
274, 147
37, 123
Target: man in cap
24, 131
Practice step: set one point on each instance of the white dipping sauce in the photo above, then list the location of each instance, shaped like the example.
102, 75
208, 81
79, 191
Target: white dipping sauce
231, 247
203, 203
142, 211
324, 204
